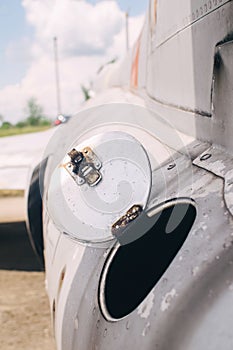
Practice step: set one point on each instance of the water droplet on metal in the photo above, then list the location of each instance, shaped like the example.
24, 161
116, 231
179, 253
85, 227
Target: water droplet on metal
186, 252
127, 325
98, 324
76, 323
105, 332
195, 270
210, 293
227, 245
146, 329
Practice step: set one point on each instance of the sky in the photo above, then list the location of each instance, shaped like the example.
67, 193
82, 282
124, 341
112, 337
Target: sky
89, 33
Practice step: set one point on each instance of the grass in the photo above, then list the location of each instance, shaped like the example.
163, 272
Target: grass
25, 130
11, 193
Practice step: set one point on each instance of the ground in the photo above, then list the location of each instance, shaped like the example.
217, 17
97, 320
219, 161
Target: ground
24, 309
24, 312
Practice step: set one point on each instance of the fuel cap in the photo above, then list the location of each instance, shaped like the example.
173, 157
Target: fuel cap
101, 183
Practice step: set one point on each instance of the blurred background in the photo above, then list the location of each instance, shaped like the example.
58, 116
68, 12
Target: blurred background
88, 34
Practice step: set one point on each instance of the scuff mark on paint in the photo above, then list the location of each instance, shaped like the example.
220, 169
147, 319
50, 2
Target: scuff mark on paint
145, 307
167, 300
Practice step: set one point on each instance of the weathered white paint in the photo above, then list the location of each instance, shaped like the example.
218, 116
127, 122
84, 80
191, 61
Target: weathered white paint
146, 306
167, 299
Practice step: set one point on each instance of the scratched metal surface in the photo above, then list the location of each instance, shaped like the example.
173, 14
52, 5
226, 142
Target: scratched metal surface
188, 110
183, 292
183, 65
184, 307
219, 162
223, 95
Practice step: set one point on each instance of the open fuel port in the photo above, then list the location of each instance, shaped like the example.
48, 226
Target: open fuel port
132, 270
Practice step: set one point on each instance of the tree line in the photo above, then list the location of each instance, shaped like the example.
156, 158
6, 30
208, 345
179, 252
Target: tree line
34, 117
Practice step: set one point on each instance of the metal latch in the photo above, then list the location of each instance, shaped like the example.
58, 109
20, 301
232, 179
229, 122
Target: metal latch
84, 166
126, 219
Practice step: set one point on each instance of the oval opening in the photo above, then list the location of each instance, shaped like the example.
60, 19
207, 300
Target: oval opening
132, 270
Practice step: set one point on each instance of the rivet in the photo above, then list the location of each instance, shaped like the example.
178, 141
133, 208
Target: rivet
205, 156
171, 166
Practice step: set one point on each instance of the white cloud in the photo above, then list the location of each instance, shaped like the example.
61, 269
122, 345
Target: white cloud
88, 36
19, 51
81, 27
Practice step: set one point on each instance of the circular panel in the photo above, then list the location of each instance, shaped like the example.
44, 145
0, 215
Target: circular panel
116, 176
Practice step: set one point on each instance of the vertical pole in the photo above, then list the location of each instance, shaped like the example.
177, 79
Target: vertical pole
127, 30
57, 76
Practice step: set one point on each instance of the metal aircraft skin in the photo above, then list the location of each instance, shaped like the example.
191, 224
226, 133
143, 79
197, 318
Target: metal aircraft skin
138, 193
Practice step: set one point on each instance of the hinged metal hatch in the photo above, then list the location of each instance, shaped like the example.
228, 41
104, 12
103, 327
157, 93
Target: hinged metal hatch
97, 183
